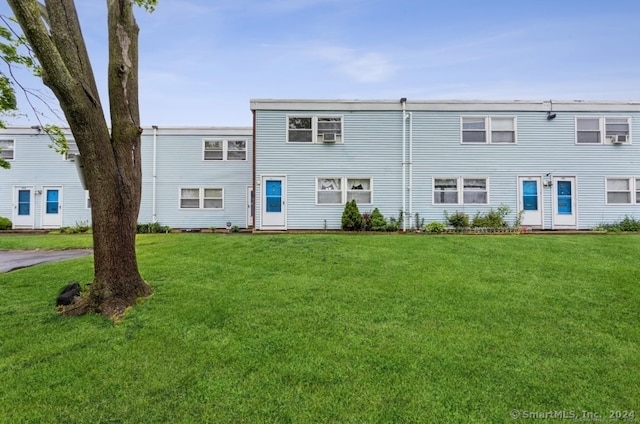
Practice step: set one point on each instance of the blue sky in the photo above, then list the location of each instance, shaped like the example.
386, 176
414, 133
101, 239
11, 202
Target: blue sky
201, 61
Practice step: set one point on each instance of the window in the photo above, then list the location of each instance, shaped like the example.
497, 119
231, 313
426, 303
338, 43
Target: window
445, 190
6, 149
619, 191
596, 130
73, 150
225, 149
338, 190
314, 129
637, 190
359, 189
491, 129
329, 191
201, 198
460, 190
87, 199
474, 190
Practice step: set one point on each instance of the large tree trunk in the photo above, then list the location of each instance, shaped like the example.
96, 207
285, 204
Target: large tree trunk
111, 159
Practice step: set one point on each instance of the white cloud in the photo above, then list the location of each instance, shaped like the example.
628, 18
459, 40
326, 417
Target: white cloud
368, 67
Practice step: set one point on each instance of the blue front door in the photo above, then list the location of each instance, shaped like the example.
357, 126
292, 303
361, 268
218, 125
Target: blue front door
564, 198
52, 207
24, 202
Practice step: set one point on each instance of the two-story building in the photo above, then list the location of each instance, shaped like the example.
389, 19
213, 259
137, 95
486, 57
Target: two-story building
566, 165
196, 177
563, 164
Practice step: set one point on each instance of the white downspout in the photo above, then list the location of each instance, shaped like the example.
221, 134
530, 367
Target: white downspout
411, 168
404, 164
154, 218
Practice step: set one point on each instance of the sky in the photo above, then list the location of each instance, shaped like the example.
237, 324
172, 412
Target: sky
201, 61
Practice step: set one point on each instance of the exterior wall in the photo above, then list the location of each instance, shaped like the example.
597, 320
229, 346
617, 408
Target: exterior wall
179, 163
373, 147
36, 166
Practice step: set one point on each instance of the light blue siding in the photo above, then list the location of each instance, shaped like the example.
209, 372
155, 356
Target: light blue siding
179, 163
372, 147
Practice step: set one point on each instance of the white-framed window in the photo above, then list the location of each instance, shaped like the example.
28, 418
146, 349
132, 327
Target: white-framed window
314, 129
87, 199
460, 190
72, 152
488, 129
621, 190
603, 130
223, 149
7, 148
338, 190
201, 198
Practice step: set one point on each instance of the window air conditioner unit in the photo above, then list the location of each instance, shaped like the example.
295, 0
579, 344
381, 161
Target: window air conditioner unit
620, 138
329, 137
71, 156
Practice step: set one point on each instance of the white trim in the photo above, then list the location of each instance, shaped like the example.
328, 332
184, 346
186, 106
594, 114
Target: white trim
282, 222
602, 128
574, 202
541, 193
13, 140
53, 223
460, 189
201, 197
225, 149
32, 207
344, 189
339, 136
488, 129
632, 189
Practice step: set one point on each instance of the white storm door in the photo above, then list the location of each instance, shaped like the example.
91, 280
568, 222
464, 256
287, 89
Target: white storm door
530, 201
564, 199
250, 201
51, 207
23, 216
274, 212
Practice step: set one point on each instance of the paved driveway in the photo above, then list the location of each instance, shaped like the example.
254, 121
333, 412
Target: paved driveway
15, 259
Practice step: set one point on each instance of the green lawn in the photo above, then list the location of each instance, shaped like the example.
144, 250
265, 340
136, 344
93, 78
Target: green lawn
331, 328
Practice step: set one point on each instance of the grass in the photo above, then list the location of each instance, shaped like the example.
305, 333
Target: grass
331, 328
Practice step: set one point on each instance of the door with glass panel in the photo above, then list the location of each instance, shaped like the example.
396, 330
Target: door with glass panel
23, 216
52, 207
564, 199
274, 194
530, 201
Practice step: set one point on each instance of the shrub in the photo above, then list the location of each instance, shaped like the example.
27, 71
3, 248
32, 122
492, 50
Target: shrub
419, 222
458, 220
628, 223
434, 227
366, 221
393, 225
493, 219
151, 227
351, 218
377, 222
235, 229
5, 223
79, 228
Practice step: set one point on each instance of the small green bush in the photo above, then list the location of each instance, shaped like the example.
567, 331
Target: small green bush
434, 227
458, 220
152, 227
351, 218
80, 227
235, 229
366, 221
628, 223
378, 223
5, 223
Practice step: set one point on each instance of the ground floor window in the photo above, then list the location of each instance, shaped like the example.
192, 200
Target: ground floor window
202, 198
460, 190
620, 190
338, 190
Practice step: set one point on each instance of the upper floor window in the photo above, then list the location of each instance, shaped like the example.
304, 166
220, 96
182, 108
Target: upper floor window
224, 149
201, 198
460, 190
338, 190
73, 150
599, 130
488, 129
6, 149
314, 129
